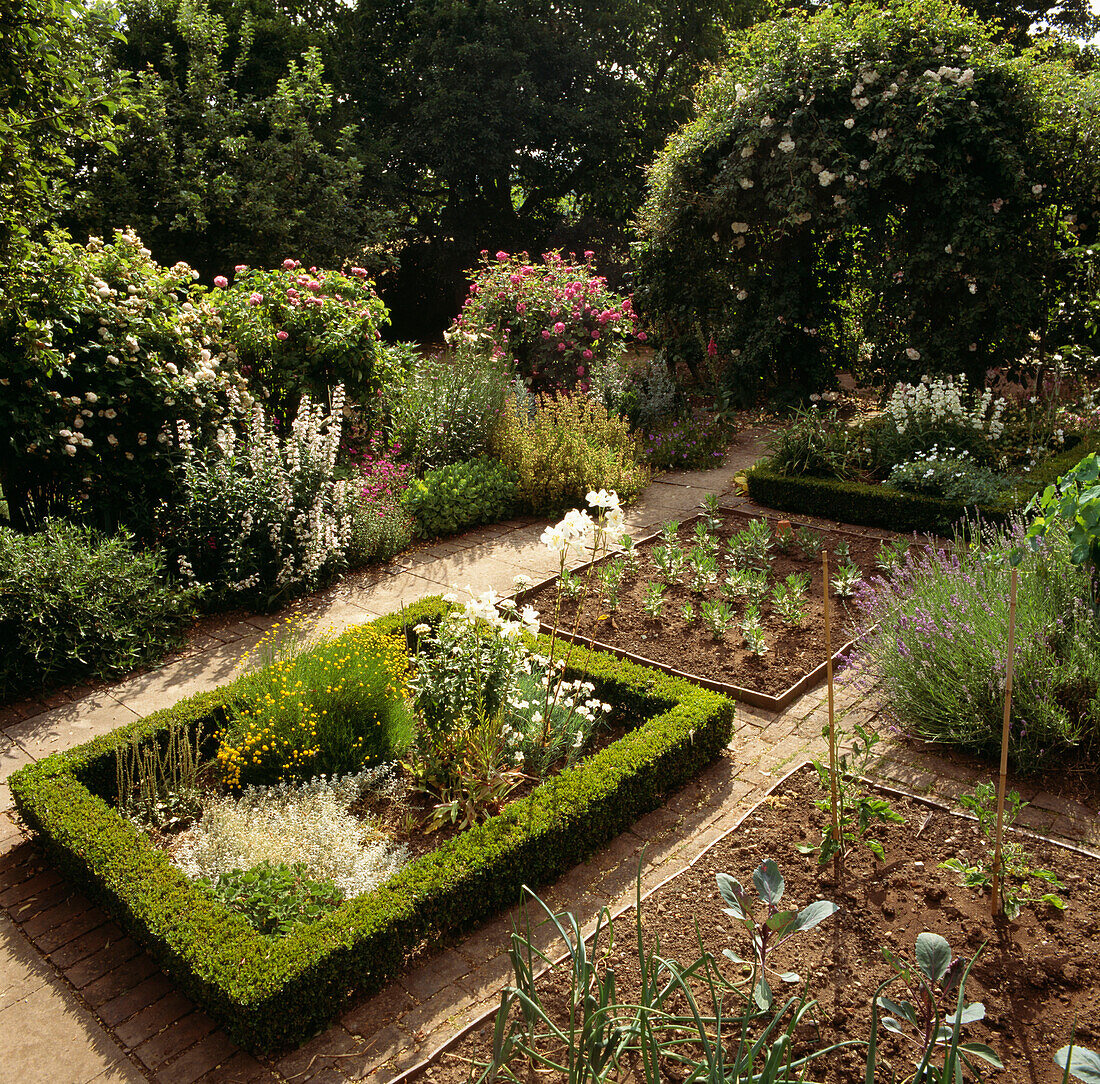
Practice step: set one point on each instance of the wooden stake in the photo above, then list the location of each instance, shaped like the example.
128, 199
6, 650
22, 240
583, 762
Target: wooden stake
829, 679
995, 904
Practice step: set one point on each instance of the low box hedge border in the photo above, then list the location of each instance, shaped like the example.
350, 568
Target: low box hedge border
877, 505
271, 993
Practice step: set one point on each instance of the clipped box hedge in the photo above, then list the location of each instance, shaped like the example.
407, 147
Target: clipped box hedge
274, 992
877, 505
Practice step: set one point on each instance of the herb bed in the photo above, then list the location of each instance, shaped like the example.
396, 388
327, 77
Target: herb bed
1037, 975
271, 992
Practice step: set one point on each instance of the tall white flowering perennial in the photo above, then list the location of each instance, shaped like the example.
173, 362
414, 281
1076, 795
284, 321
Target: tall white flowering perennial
932, 402
263, 515
291, 823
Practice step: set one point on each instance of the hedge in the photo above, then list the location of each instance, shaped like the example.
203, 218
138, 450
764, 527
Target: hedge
877, 505
273, 992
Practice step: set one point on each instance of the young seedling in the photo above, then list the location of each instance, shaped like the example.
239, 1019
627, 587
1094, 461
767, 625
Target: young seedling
843, 551
687, 612
1078, 1062
653, 599
711, 512
747, 583
670, 531
784, 540
1017, 871
846, 580
570, 584
749, 548
927, 1021
669, 561
611, 579
704, 539
718, 617
788, 600
809, 542
630, 553
777, 928
857, 811
752, 631
702, 569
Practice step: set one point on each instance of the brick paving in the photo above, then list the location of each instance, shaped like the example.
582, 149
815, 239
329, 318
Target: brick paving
81, 1002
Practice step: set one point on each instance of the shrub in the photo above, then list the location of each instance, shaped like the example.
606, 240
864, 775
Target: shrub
814, 443
950, 474
936, 637
690, 443
893, 176
261, 519
380, 526
570, 446
460, 495
443, 409
332, 709
101, 349
557, 321
298, 333
652, 398
75, 604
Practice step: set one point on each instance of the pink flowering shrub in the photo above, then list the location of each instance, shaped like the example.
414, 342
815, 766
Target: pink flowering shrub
297, 331
381, 526
557, 321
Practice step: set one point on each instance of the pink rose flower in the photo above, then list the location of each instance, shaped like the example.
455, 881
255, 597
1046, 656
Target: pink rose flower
559, 327
241, 267
642, 336
255, 298
561, 347
360, 272
502, 255
521, 308
281, 335
589, 254
221, 281
289, 264
545, 334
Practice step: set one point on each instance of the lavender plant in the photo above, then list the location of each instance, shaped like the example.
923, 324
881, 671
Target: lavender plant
935, 636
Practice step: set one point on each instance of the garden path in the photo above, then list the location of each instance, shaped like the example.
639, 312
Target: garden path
80, 1002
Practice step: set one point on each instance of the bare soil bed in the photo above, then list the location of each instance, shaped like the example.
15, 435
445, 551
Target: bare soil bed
793, 651
1035, 975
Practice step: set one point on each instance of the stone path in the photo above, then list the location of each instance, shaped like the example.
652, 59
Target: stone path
80, 1002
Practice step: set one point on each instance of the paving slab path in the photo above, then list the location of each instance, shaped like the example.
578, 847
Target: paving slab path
81, 1002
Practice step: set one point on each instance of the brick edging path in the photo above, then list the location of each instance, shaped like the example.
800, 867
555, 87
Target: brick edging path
80, 1002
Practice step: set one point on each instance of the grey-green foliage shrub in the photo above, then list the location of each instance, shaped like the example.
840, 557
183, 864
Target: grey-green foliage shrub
379, 530
651, 397
444, 409
76, 604
461, 495
896, 176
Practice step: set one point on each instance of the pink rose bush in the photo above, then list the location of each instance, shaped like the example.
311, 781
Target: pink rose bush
557, 320
297, 330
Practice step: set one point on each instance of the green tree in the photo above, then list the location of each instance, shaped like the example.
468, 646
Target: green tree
55, 94
894, 182
230, 154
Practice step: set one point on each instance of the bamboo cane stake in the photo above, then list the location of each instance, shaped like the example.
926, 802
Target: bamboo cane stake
829, 680
995, 903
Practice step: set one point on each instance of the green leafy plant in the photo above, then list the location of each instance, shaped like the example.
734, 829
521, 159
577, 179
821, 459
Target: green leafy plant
1079, 1062
712, 514
927, 1021
857, 811
784, 540
778, 927
752, 630
705, 537
789, 598
813, 443
610, 576
748, 583
1017, 872
570, 585
653, 599
276, 897
670, 532
670, 561
702, 565
809, 542
76, 604
460, 495
629, 553
843, 550
892, 555
717, 617
749, 548
687, 612
846, 580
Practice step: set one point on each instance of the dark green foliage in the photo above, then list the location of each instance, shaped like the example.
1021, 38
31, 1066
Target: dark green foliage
272, 993
874, 505
894, 178
276, 897
460, 495
75, 604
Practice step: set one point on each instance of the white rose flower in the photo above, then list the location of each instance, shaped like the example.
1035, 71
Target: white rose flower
825, 178
786, 144
740, 227
742, 294
912, 354
850, 123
